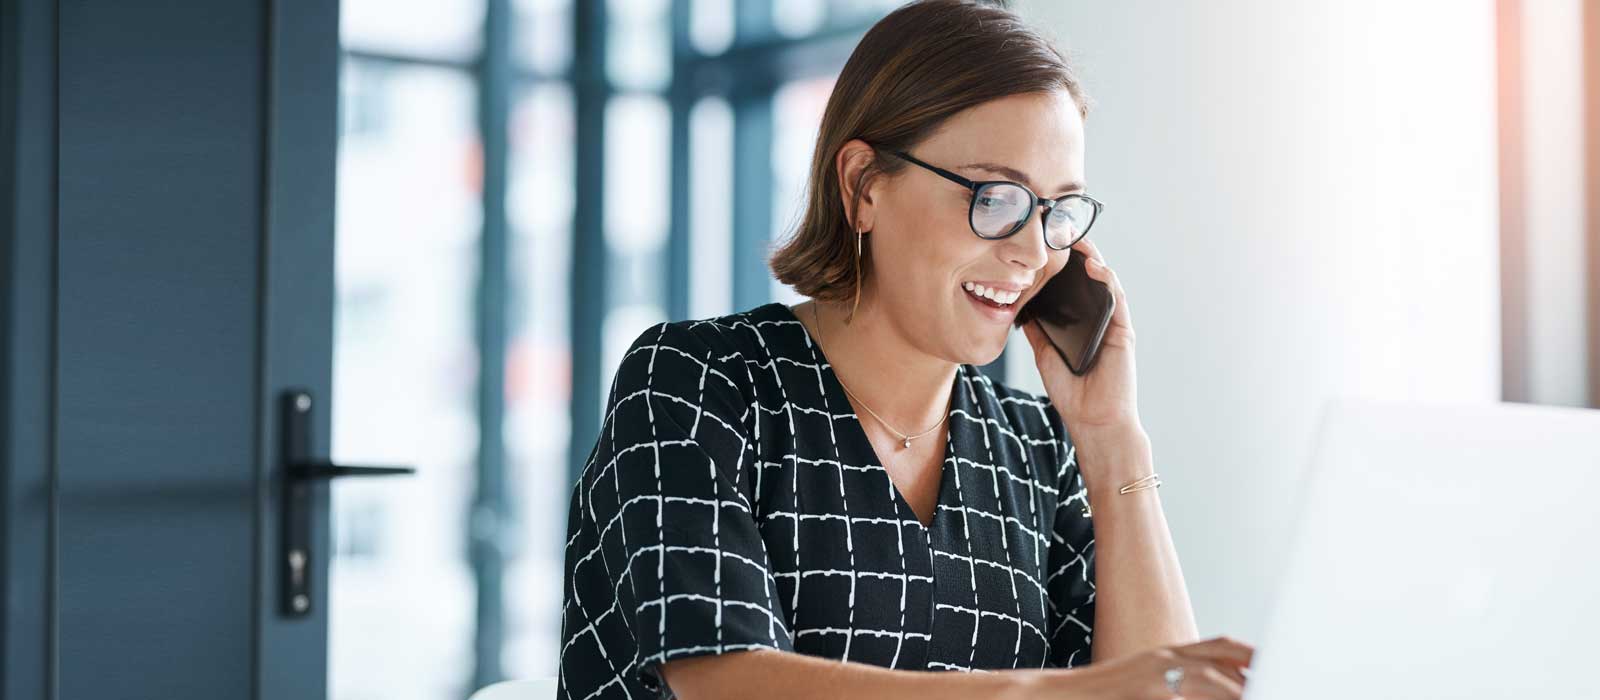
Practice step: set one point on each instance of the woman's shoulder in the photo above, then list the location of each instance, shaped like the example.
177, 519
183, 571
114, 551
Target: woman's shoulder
722, 344
735, 332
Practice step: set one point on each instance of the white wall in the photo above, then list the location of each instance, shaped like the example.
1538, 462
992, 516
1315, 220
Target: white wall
1301, 202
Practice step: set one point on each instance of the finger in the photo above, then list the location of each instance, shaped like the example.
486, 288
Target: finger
1229, 666
1121, 315
1193, 665
1031, 332
1220, 651
1222, 648
1229, 670
1103, 273
1044, 353
1089, 249
1212, 684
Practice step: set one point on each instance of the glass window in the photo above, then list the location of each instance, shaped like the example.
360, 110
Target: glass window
796, 113
409, 212
543, 40
638, 44
711, 26
408, 215
538, 374
794, 18
856, 12
638, 146
710, 208
427, 28
637, 152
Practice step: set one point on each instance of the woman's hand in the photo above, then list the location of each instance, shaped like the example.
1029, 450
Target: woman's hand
1102, 401
1212, 670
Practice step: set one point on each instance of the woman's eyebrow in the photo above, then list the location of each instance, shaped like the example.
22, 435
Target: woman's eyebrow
1017, 175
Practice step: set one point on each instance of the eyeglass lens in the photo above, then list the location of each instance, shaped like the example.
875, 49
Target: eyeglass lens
998, 208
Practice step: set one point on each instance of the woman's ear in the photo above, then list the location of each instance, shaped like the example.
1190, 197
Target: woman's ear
854, 167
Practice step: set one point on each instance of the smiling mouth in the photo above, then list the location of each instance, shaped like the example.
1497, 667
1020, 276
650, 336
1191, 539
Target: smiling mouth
996, 299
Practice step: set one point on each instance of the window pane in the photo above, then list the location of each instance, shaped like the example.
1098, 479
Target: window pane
538, 374
711, 25
433, 28
638, 146
798, 17
408, 215
796, 113
544, 34
638, 44
638, 133
710, 208
856, 12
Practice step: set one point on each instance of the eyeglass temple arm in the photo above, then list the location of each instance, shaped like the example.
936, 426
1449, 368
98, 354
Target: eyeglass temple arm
964, 182
940, 171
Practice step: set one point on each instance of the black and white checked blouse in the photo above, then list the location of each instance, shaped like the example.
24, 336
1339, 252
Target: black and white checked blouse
734, 502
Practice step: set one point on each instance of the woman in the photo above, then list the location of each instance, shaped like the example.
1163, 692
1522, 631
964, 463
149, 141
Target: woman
783, 489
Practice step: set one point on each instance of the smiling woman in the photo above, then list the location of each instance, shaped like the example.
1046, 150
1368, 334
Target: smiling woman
740, 525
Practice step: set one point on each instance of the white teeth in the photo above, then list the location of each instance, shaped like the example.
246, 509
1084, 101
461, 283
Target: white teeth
999, 296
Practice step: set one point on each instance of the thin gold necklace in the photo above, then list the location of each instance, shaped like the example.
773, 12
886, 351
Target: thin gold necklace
905, 440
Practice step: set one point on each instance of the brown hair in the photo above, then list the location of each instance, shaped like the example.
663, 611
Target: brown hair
915, 68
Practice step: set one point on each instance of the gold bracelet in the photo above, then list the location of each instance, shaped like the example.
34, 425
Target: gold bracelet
1152, 481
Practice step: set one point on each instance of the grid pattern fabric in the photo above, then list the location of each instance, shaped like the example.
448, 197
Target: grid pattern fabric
733, 501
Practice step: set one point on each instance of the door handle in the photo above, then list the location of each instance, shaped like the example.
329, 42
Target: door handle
300, 472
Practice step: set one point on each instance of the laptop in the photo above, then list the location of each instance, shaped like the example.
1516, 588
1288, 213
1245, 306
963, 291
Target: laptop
1442, 552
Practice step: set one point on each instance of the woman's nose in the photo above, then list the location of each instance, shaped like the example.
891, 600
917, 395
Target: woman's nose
1027, 247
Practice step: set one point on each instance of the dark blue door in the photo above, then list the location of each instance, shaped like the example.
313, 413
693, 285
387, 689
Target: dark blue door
167, 275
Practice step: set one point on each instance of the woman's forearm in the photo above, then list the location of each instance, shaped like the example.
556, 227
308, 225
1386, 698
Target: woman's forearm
782, 675
1141, 601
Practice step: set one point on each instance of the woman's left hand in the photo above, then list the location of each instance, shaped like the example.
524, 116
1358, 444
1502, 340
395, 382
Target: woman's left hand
1104, 400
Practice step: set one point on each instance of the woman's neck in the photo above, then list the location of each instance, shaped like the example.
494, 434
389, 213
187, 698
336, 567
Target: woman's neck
906, 387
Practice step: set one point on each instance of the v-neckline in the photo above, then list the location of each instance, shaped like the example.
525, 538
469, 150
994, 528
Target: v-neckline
835, 396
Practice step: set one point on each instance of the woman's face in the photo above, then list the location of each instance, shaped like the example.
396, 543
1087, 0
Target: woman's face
924, 250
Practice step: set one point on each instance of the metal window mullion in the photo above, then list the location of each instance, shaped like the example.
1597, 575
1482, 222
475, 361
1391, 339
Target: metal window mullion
379, 56
752, 196
796, 58
405, 60
681, 100
589, 264
751, 100
490, 511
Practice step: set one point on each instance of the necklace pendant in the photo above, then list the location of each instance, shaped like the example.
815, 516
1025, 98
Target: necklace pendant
907, 442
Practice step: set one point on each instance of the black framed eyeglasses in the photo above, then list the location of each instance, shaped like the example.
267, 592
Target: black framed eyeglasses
1001, 208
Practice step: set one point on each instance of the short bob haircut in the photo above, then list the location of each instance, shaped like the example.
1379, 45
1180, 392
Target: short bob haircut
915, 68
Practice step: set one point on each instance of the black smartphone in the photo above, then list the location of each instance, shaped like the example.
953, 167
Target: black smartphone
1073, 310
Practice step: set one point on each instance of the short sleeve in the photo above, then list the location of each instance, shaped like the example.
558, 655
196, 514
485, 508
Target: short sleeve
670, 511
1070, 581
